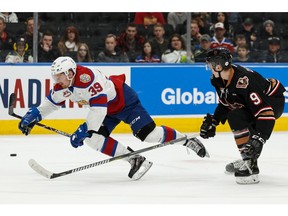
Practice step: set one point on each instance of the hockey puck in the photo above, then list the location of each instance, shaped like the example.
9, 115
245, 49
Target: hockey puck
13, 155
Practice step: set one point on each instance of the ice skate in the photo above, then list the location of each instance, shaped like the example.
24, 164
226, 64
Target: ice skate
139, 166
197, 146
234, 166
248, 173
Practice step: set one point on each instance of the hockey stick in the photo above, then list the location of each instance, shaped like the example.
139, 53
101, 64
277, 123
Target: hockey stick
11, 112
50, 175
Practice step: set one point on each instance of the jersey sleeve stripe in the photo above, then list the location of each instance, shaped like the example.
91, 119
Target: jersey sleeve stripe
266, 118
100, 100
273, 90
53, 102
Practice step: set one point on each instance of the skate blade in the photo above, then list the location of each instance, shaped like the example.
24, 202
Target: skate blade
207, 154
253, 179
143, 169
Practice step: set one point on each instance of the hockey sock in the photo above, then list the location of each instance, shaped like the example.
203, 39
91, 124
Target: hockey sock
241, 136
113, 148
163, 134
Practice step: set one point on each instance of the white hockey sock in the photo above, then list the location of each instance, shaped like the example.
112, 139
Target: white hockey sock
163, 134
108, 145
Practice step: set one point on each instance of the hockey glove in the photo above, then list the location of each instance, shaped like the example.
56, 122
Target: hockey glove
208, 127
29, 120
79, 135
253, 148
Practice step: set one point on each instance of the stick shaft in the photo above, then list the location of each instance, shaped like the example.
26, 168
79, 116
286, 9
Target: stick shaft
11, 112
44, 172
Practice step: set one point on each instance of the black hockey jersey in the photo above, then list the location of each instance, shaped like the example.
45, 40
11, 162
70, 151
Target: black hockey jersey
250, 90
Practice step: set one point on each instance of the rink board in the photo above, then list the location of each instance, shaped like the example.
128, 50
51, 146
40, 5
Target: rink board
175, 95
181, 124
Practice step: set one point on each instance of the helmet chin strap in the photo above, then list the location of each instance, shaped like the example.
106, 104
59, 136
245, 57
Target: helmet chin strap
71, 79
70, 84
218, 71
221, 82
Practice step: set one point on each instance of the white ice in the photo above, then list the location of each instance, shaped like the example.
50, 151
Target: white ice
176, 182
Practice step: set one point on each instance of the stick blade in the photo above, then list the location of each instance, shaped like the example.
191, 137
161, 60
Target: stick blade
39, 169
12, 100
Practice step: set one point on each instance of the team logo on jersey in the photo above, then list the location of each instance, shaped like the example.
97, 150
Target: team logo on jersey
242, 82
85, 78
82, 102
66, 93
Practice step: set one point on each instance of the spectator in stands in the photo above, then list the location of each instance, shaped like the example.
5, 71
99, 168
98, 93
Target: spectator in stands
28, 34
176, 18
111, 52
223, 18
176, 52
6, 40
249, 31
200, 52
203, 24
240, 39
10, 17
83, 53
206, 16
234, 19
149, 18
195, 35
148, 55
243, 54
47, 51
269, 30
130, 42
69, 41
20, 54
219, 40
273, 54
158, 42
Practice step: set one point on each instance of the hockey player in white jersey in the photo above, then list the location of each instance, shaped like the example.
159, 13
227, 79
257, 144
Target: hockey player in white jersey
110, 101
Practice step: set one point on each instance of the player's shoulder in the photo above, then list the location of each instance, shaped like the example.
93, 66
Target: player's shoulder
245, 77
84, 77
242, 70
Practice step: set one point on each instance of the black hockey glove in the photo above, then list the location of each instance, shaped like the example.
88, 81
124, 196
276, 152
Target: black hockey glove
208, 127
253, 148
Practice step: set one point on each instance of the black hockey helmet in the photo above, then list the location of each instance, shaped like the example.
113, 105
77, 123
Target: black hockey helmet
219, 55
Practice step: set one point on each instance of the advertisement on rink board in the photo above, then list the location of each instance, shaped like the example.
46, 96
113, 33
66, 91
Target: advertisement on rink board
170, 90
32, 82
187, 90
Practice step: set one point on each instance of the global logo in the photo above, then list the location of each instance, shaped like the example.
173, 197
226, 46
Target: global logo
170, 96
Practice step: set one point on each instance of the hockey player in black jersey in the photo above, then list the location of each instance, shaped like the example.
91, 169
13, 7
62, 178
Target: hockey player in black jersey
250, 103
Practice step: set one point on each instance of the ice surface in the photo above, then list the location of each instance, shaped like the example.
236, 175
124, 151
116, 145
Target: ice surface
176, 182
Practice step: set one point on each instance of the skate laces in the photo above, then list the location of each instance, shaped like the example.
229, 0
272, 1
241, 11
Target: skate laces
134, 160
192, 144
246, 165
238, 163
